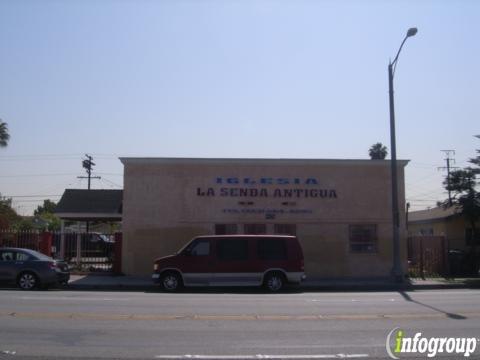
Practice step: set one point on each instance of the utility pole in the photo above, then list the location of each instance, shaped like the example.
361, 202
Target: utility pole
448, 159
88, 164
397, 270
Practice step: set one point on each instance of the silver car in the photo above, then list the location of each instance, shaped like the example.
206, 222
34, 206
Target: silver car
30, 269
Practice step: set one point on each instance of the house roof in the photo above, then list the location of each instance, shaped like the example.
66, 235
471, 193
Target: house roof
83, 205
437, 213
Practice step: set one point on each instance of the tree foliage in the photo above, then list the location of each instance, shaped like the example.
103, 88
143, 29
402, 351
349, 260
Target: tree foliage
462, 184
46, 214
47, 207
476, 160
4, 135
378, 151
8, 216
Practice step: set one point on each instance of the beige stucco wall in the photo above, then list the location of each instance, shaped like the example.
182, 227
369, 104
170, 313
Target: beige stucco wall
163, 208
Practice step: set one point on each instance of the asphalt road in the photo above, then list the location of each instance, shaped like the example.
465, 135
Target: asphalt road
228, 324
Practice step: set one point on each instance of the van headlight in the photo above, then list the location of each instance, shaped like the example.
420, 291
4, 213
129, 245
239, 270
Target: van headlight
155, 267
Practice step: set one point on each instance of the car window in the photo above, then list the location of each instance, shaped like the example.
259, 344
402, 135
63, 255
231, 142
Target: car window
272, 249
232, 249
200, 248
22, 256
7, 256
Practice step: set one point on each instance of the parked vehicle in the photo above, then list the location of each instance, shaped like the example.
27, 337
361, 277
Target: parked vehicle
233, 260
30, 269
92, 245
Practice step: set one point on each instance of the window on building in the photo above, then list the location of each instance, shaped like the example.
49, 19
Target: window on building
225, 229
285, 229
426, 232
272, 249
232, 249
255, 229
363, 238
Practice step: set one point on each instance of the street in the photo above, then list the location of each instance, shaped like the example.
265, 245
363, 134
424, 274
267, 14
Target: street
232, 324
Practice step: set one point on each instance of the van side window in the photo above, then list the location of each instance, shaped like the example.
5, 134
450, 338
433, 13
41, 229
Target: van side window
200, 248
272, 249
232, 249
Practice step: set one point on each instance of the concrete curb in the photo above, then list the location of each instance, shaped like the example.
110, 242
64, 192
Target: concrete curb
120, 283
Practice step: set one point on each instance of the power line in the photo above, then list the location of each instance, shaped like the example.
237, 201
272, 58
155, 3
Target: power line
111, 182
28, 196
36, 175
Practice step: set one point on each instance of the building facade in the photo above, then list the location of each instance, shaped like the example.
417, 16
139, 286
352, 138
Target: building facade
449, 223
339, 209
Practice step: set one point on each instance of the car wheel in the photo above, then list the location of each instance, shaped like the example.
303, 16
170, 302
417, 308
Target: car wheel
274, 281
27, 281
171, 281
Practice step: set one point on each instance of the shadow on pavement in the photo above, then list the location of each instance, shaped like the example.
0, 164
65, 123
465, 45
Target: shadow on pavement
449, 315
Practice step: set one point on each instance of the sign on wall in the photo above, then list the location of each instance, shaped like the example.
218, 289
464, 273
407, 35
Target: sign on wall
249, 189
267, 187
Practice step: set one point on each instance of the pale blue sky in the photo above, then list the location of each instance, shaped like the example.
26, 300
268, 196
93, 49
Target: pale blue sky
279, 79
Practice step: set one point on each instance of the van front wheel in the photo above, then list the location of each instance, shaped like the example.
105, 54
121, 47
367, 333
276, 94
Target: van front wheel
274, 281
171, 281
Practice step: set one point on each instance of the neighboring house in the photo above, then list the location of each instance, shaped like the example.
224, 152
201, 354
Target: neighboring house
80, 205
442, 222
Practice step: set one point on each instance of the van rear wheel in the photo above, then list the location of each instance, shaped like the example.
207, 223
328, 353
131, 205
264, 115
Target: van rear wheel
171, 281
274, 281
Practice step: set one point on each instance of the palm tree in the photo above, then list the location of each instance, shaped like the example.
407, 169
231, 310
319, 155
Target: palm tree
378, 151
4, 136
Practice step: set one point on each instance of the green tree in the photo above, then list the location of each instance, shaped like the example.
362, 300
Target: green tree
462, 184
476, 160
378, 151
8, 216
23, 224
4, 136
46, 212
47, 207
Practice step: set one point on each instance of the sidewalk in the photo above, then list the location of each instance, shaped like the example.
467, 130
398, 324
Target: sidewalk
144, 283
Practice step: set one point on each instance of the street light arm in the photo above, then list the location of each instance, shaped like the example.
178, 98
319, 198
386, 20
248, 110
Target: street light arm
394, 62
410, 32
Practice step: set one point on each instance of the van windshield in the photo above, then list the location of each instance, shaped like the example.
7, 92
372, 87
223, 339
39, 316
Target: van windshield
182, 249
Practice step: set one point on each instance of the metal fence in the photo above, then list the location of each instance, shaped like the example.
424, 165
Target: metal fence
427, 256
20, 239
84, 252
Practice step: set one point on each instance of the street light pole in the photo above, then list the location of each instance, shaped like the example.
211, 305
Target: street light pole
397, 271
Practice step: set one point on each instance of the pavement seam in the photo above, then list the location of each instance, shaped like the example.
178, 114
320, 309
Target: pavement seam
227, 317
